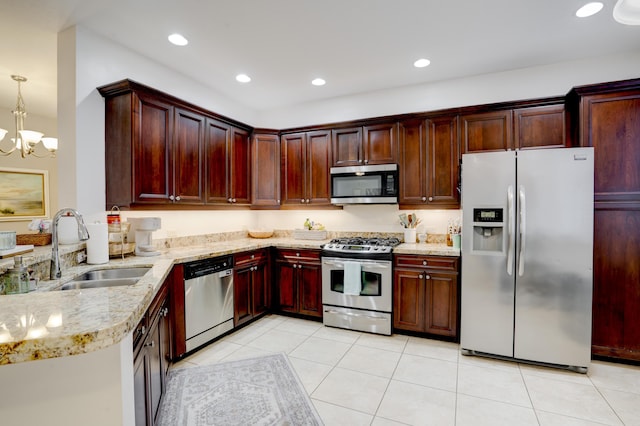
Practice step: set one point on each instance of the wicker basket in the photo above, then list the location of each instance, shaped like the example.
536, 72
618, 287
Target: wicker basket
260, 233
35, 239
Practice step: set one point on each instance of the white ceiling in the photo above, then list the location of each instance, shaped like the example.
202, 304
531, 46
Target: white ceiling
356, 45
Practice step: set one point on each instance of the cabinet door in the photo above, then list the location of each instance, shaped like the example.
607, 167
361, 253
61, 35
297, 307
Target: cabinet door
140, 371
441, 313
294, 160
156, 376
310, 289
260, 289
443, 157
240, 177
347, 146
265, 170
217, 170
318, 164
242, 295
152, 170
413, 167
408, 300
379, 143
286, 286
488, 131
609, 122
539, 127
187, 157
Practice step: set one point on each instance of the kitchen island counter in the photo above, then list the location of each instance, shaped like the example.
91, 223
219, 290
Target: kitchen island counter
49, 323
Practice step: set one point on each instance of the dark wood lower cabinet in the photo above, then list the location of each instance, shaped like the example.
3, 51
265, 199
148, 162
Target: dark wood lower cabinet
151, 359
251, 295
298, 282
425, 295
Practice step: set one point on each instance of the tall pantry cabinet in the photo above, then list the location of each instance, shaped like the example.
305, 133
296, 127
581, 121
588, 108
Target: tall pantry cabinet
607, 117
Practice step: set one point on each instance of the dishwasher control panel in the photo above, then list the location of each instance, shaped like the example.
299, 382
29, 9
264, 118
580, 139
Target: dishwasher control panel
202, 267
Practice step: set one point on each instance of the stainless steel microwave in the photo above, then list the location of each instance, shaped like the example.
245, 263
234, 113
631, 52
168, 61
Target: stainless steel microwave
376, 184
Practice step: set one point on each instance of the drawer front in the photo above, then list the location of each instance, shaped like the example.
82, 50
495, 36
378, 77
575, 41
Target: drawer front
422, 262
250, 257
292, 255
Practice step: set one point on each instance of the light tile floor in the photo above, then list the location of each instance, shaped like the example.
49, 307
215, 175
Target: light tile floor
363, 379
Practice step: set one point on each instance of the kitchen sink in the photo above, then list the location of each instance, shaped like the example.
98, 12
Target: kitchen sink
106, 274
106, 278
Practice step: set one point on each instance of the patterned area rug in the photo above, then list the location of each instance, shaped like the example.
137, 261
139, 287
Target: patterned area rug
257, 391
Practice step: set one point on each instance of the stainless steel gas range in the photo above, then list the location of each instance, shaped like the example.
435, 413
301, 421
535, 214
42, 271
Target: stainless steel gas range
357, 283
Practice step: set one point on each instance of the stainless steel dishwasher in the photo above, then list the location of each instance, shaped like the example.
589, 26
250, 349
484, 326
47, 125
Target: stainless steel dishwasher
208, 299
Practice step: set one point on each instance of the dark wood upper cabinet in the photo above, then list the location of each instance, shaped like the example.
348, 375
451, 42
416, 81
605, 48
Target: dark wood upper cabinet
152, 125
163, 152
487, 131
429, 157
265, 170
365, 145
540, 127
306, 160
227, 157
531, 126
188, 156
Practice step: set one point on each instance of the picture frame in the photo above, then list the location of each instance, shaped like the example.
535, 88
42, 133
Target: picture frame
24, 194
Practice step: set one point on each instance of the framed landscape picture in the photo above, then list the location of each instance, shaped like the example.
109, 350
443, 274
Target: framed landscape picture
24, 194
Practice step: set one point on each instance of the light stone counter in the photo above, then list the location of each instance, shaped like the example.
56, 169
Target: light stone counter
48, 323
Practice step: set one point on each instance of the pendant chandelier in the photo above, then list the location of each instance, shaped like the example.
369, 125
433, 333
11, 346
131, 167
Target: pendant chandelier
25, 141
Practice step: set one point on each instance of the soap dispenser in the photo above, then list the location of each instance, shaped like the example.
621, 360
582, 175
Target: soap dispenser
16, 279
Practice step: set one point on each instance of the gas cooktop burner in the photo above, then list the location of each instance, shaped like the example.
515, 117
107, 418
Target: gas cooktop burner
364, 247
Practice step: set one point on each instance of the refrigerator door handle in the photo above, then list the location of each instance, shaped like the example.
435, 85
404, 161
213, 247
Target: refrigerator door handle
511, 234
523, 229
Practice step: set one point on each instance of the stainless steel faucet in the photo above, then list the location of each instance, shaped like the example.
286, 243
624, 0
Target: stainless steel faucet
83, 234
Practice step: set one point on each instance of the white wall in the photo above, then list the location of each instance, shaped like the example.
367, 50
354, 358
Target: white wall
527, 83
88, 60
46, 125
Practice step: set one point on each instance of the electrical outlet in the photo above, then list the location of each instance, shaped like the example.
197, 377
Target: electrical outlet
81, 256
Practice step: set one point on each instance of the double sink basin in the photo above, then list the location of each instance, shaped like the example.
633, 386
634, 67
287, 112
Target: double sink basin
107, 278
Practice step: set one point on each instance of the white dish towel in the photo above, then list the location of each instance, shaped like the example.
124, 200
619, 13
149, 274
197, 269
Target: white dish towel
352, 278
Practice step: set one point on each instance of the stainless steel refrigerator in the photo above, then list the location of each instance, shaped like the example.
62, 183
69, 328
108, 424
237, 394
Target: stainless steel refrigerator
527, 255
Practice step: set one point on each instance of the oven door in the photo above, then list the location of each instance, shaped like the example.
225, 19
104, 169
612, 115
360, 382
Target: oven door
375, 286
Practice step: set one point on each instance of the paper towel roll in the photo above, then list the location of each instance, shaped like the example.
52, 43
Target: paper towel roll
98, 243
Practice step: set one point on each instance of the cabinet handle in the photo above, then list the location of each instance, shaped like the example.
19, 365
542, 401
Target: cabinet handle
143, 330
234, 200
151, 344
308, 200
230, 200
424, 263
253, 256
298, 254
420, 276
165, 312
302, 201
427, 277
172, 198
278, 201
424, 198
178, 198
430, 198
366, 161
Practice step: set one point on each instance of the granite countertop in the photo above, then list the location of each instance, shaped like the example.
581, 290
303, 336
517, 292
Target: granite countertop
48, 323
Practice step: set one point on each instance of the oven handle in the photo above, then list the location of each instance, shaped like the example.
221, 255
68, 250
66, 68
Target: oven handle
350, 314
364, 264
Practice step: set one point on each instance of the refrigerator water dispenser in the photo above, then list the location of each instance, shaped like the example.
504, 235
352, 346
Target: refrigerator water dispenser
488, 230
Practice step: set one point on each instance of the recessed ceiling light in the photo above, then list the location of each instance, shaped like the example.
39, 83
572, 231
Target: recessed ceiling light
421, 63
243, 78
178, 40
589, 9
318, 82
